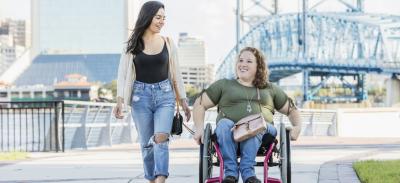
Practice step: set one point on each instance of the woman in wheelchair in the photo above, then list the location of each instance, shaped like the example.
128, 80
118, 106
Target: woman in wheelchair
236, 99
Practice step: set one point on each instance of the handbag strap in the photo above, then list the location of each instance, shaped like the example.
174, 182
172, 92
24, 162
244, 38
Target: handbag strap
175, 87
259, 102
259, 99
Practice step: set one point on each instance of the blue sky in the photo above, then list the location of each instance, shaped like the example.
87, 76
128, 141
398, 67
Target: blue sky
211, 20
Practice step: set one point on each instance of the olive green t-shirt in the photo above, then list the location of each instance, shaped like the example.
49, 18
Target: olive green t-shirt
232, 99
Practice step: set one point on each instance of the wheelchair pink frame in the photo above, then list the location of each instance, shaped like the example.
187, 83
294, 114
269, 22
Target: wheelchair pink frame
221, 166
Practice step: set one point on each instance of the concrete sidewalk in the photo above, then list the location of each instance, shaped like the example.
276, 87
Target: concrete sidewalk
314, 159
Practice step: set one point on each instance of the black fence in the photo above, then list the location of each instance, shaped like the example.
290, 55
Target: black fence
32, 126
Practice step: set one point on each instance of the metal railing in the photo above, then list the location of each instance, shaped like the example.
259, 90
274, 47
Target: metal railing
91, 124
316, 122
55, 125
31, 126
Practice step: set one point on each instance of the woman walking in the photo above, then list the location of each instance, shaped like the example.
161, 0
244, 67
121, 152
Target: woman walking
149, 81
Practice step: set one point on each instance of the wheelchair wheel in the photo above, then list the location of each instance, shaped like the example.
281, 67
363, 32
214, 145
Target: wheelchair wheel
289, 166
206, 150
284, 154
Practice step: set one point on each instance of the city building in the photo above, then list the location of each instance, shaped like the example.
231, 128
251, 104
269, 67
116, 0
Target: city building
84, 37
7, 55
7, 49
4, 95
76, 87
80, 27
192, 56
3, 28
200, 76
17, 30
50, 69
14, 38
26, 93
73, 87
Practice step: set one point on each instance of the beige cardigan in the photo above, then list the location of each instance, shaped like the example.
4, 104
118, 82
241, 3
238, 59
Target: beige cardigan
127, 74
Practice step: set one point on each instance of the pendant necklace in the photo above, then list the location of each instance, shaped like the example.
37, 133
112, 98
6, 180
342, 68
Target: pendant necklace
248, 108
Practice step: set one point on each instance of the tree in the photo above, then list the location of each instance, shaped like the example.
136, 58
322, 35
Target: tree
112, 86
191, 93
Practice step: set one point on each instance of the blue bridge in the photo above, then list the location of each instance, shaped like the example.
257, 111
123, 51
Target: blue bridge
338, 45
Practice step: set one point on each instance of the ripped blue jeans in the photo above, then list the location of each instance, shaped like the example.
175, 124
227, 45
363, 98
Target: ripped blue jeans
153, 107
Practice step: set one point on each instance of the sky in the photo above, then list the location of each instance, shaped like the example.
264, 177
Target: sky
211, 20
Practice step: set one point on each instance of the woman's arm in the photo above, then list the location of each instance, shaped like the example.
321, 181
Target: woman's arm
178, 79
121, 80
294, 117
200, 106
122, 69
178, 75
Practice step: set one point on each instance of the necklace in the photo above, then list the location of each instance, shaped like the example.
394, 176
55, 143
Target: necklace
248, 108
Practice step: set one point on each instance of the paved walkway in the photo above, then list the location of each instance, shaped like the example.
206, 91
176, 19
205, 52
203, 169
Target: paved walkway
337, 172
322, 159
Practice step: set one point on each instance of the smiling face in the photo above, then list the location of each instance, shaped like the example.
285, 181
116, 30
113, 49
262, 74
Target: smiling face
158, 21
246, 66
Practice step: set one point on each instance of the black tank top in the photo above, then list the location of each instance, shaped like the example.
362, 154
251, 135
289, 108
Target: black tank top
152, 68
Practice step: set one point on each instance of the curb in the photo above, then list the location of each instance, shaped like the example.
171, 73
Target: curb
337, 172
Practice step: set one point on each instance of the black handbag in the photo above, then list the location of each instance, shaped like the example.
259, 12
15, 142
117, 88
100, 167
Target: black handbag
177, 124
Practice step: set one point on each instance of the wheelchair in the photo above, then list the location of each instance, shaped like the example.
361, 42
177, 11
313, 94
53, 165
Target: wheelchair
210, 156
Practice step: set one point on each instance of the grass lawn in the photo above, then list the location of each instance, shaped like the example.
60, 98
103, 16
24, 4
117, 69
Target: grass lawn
373, 171
9, 156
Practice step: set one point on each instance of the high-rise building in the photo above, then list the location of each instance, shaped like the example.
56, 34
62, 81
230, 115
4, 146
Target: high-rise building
76, 26
9, 50
192, 50
7, 56
4, 28
74, 36
17, 30
192, 57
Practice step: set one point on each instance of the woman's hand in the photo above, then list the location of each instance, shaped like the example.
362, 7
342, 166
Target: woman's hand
294, 117
198, 136
294, 132
118, 111
186, 109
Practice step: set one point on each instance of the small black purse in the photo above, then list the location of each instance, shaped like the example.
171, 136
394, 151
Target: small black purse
177, 124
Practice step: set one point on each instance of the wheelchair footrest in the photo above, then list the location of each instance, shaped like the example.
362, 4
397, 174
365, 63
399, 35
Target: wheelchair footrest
273, 164
260, 164
269, 164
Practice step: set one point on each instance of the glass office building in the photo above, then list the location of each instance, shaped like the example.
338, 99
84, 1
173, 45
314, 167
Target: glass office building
77, 37
84, 27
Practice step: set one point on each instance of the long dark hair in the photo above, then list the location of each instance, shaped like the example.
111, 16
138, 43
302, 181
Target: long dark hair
147, 12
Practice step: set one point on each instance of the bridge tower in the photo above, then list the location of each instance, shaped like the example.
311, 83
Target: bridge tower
251, 13
357, 87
